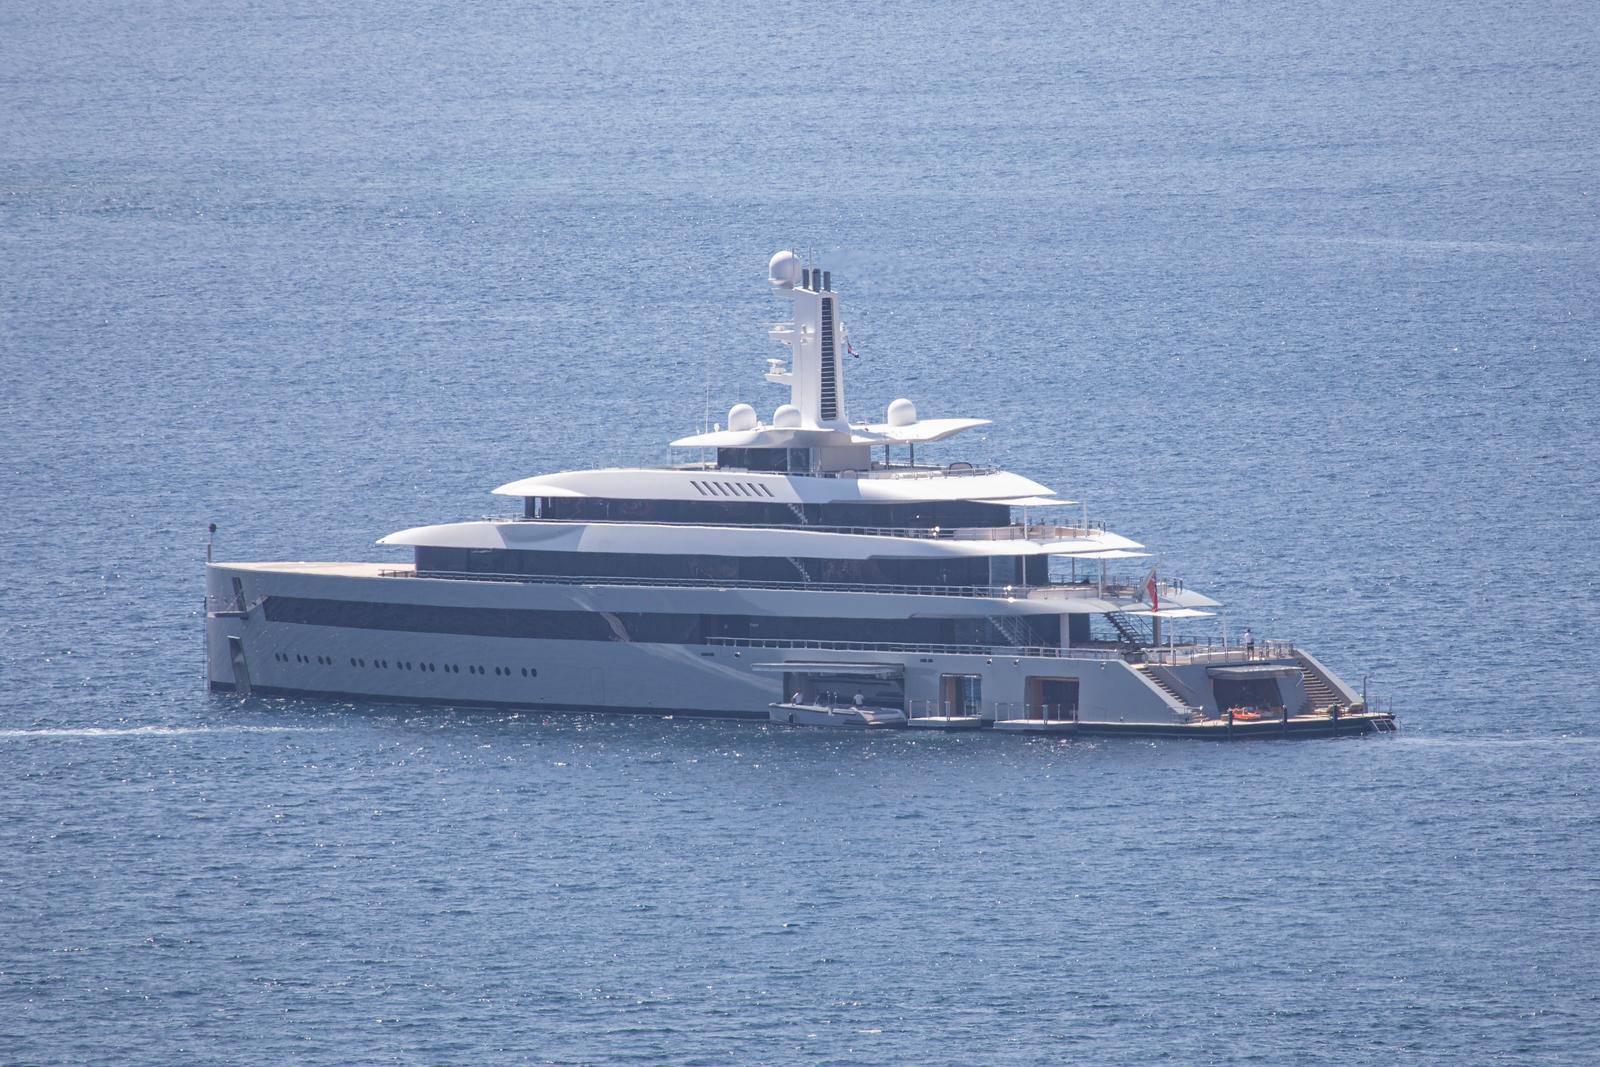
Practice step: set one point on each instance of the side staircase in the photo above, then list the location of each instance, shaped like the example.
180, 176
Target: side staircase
1129, 631
1013, 629
1320, 693
1162, 680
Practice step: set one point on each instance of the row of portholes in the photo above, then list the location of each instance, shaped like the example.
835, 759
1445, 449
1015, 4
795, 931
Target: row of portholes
404, 665
286, 657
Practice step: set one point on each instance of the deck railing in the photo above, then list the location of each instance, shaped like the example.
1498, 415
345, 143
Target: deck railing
1058, 590
941, 709
1206, 652
878, 470
890, 646
1008, 711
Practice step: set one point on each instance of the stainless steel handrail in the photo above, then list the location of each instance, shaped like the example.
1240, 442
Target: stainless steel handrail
1263, 652
1033, 651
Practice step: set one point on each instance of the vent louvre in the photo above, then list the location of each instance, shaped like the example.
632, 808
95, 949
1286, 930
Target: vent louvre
830, 367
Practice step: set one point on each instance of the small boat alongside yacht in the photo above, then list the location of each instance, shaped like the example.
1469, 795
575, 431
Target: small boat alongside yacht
855, 716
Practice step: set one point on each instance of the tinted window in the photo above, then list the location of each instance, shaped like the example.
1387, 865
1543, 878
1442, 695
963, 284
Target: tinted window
950, 571
653, 627
724, 503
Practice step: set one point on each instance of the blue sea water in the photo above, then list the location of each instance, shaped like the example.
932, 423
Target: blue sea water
1303, 296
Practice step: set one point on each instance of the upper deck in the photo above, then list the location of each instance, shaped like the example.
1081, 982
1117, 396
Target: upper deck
874, 483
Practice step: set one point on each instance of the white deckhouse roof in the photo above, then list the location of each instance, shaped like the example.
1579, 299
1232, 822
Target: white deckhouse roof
636, 538
906, 486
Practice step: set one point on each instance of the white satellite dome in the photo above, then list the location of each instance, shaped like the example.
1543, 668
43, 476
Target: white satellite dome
783, 269
787, 417
741, 417
902, 412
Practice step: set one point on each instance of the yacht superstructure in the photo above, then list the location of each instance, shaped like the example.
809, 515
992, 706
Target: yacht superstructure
806, 570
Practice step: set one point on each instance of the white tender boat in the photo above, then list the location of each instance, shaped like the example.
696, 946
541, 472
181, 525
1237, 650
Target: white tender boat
844, 715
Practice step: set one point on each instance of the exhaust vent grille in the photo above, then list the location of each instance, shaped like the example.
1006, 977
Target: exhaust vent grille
830, 367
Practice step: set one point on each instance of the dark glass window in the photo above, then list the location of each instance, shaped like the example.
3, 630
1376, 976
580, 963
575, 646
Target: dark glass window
730, 501
656, 627
784, 460
947, 571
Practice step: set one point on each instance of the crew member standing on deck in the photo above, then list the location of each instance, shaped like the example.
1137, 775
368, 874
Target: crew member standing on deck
1249, 644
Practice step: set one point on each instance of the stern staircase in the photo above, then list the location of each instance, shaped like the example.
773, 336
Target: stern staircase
1158, 677
1320, 693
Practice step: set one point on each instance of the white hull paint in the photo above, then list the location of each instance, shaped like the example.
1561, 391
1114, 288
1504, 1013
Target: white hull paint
668, 679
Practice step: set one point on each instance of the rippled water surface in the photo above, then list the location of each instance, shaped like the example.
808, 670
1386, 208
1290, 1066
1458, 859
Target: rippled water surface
1303, 298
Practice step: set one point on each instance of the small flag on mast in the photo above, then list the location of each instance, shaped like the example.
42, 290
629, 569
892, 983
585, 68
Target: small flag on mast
1152, 590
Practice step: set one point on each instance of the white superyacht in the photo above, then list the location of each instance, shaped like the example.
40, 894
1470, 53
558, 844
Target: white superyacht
806, 570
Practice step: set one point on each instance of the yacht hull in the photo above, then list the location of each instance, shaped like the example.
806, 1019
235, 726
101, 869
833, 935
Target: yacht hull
250, 648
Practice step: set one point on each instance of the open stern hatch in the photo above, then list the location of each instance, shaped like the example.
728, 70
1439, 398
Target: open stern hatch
870, 695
